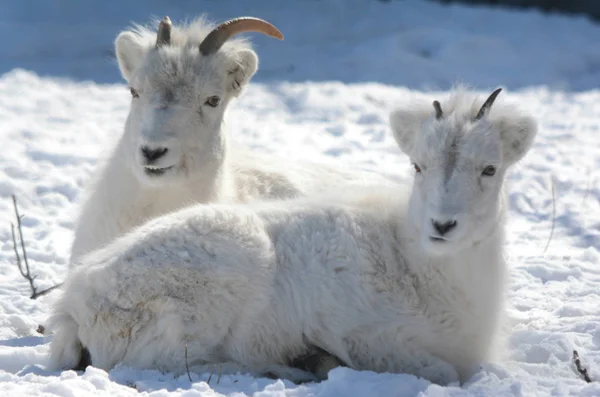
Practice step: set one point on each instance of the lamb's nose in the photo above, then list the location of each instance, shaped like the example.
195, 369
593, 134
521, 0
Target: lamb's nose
151, 155
443, 227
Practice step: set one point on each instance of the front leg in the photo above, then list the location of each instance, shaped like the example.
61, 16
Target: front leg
317, 361
379, 354
438, 371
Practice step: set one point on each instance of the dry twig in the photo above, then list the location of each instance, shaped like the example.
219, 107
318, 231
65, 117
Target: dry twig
553, 217
187, 368
583, 371
220, 371
25, 272
210, 376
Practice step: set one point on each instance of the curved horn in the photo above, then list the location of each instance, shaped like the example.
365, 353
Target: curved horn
438, 110
487, 104
163, 37
226, 30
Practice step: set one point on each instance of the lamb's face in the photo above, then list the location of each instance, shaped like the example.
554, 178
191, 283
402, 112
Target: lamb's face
177, 107
458, 179
179, 97
459, 163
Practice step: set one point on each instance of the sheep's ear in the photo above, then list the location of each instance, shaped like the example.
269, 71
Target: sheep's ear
406, 124
517, 133
130, 51
245, 64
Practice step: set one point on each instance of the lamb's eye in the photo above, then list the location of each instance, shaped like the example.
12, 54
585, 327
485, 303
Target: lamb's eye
134, 93
489, 170
213, 101
417, 168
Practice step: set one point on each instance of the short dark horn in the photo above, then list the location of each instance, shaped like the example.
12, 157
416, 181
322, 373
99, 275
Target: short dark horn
438, 110
219, 35
487, 105
163, 37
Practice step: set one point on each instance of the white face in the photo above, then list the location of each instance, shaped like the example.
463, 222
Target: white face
460, 165
458, 180
174, 125
179, 97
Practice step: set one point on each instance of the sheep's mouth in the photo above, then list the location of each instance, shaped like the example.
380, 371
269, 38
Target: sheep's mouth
437, 239
155, 171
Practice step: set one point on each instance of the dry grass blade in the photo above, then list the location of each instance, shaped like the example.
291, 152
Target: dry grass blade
45, 291
210, 377
553, 217
14, 239
187, 367
583, 371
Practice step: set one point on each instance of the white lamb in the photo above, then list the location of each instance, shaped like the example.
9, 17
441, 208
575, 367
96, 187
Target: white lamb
384, 280
174, 150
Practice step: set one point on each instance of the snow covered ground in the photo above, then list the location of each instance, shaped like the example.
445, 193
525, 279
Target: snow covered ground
53, 131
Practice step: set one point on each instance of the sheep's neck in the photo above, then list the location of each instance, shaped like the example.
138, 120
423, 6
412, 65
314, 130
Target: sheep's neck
144, 202
478, 268
463, 294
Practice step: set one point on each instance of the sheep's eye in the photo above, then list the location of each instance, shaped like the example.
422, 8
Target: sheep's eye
213, 101
489, 170
134, 93
417, 168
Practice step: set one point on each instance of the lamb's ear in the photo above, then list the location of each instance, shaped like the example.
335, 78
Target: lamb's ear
517, 132
244, 65
130, 51
406, 124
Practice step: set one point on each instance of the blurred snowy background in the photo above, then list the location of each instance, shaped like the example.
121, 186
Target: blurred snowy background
400, 42
324, 94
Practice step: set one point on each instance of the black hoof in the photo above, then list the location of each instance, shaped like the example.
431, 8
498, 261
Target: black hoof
84, 360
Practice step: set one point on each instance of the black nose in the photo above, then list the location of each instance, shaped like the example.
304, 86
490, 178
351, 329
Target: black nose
445, 227
151, 155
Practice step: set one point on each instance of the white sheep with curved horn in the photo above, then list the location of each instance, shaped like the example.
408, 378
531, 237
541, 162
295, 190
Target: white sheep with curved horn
384, 279
174, 150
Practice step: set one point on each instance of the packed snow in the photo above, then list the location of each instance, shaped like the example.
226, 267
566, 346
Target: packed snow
323, 94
